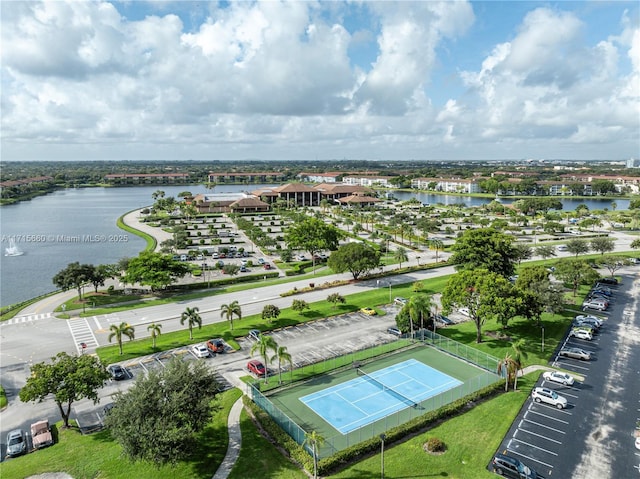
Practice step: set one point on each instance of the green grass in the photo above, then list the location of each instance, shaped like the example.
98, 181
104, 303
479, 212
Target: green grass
3, 398
150, 241
471, 440
98, 455
260, 458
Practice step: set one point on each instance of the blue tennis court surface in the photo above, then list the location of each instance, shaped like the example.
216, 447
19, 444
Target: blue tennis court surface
363, 400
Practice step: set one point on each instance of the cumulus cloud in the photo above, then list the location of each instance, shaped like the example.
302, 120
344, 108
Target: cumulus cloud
268, 79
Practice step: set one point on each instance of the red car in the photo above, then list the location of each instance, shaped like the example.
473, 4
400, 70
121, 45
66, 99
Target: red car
256, 367
267, 266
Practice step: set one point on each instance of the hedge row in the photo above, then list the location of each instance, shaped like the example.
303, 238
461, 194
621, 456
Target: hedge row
348, 455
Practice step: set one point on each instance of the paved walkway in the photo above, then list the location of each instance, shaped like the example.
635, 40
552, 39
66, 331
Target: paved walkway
235, 441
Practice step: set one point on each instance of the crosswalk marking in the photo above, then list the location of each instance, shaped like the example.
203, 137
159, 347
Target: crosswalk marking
82, 334
26, 319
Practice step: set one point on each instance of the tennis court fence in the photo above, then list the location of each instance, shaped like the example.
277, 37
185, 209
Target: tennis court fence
462, 351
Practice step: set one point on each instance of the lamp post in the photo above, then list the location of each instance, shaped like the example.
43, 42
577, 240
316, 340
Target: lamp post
543, 339
382, 438
389, 291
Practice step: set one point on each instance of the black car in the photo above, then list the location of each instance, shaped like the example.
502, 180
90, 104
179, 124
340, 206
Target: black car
608, 281
508, 466
117, 372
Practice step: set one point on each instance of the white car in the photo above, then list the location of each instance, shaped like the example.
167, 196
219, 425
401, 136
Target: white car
590, 318
200, 351
559, 377
599, 305
464, 311
549, 396
581, 334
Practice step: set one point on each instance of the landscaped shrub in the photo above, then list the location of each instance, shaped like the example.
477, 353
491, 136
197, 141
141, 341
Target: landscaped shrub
435, 445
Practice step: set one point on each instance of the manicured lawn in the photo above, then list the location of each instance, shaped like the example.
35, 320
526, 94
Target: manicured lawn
3, 398
260, 458
471, 440
98, 455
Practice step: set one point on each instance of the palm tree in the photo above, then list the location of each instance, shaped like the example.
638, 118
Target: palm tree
419, 306
263, 345
231, 310
436, 245
400, 255
191, 316
520, 354
316, 441
155, 330
508, 367
120, 330
282, 355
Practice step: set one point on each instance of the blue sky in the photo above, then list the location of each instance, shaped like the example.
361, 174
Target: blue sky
304, 80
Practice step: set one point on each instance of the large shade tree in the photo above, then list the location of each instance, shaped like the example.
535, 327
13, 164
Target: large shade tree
75, 275
68, 379
477, 290
575, 272
357, 258
313, 236
485, 248
159, 418
156, 270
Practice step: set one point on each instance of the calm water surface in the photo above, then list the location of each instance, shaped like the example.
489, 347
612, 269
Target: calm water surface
80, 225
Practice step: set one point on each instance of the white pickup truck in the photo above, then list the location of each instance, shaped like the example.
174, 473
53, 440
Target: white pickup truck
41, 434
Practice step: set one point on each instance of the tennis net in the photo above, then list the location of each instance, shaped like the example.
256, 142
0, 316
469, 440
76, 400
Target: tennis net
386, 389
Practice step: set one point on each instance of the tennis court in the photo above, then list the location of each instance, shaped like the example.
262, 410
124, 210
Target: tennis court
369, 397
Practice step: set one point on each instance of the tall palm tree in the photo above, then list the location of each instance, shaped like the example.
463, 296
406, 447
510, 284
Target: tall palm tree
282, 355
155, 330
519, 355
228, 311
263, 345
436, 245
316, 441
120, 330
507, 367
419, 307
191, 316
400, 255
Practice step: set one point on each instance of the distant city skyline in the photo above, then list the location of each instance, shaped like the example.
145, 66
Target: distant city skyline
314, 81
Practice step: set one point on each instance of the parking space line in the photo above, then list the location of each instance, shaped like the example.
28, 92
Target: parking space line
544, 426
536, 434
534, 446
530, 458
544, 415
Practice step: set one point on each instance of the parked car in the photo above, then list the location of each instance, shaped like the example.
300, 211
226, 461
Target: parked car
549, 396
261, 261
559, 377
368, 311
117, 372
562, 248
200, 351
394, 330
400, 300
511, 467
255, 334
215, 346
608, 281
443, 320
634, 260
256, 367
267, 266
581, 334
593, 323
41, 434
243, 269
464, 311
16, 443
575, 353
215, 256
589, 317
595, 304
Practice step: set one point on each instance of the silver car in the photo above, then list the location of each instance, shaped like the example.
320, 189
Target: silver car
16, 443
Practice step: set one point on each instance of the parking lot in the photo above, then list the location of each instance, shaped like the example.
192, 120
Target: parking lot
587, 438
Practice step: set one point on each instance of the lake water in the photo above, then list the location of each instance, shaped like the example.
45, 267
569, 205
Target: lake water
80, 225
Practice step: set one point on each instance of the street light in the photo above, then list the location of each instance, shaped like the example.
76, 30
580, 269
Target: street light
389, 291
382, 438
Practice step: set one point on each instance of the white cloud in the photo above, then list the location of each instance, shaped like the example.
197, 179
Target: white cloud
269, 79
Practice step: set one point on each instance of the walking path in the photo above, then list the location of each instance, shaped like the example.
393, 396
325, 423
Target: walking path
235, 441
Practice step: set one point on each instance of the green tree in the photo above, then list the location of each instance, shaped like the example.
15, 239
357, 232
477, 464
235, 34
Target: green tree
485, 248
419, 308
313, 236
283, 356
357, 258
101, 273
270, 312
546, 251
192, 318
299, 305
155, 270
575, 272
614, 262
634, 204
231, 269
508, 368
119, 331
75, 275
263, 345
158, 419
475, 290
522, 252
535, 205
577, 246
437, 246
335, 299
635, 244
155, 330
315, 441
603, 245
68, 379
230, 310
400, 255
